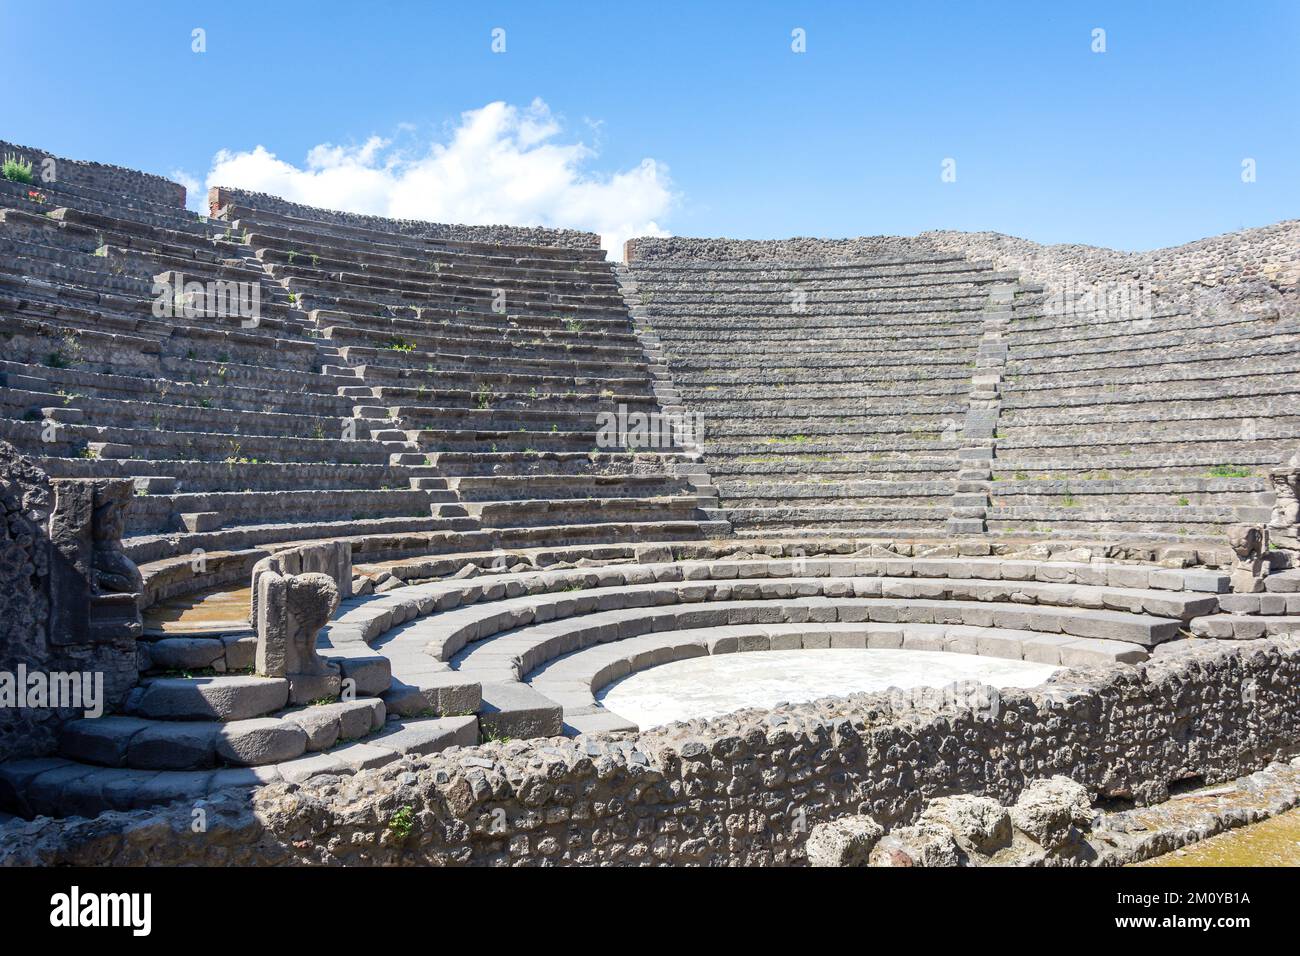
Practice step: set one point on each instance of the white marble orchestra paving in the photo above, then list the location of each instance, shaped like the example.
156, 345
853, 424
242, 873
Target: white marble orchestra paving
722, 683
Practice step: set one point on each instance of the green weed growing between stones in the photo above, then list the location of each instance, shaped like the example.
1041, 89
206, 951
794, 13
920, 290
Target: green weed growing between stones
17, 169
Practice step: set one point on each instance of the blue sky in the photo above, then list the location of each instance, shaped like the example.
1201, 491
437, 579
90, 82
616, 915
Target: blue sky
1137, 147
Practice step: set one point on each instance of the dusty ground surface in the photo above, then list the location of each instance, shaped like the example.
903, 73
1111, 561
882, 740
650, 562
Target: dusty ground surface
1274, 842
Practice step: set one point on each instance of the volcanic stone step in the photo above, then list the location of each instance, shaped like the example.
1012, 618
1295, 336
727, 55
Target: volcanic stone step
1242, 627
56, 786
190, 745
516, 711
208, 698
420, 689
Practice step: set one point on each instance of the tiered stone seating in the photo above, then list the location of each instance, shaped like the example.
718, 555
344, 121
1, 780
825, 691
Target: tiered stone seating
185, 405
834, 391
1162, 424
378, 397
430, 396
518, 645
446, 636
243, 436
483, 367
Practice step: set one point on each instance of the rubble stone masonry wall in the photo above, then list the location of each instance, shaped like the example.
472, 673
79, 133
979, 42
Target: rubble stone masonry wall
521, 235
1251, 269
112, 179
32, 585
742, 789
800, 249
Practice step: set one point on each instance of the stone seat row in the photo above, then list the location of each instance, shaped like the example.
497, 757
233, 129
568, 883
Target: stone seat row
287, 251
863, 365
344, 292
920, 322
929, 445
57, 786
1027, 398
323, 253
313, 398
942, 286
404, 356
162, 476
776, 377
742, 394
180, 574
71, 440
815, 293
280, 256
1200, 463
791, 464
207, 511
837, 428
59, 311
122, 207
186, 545
1211, 347
828, 405
1053, 329
444, 285
1043, 360
396, 400
169, 416
1143, 417
756, 353
234, 521
62, 239
665, 268
863, 306
499, 327
326, 226
414, 376
492, 343
1150, 440
811, 335
36, 332
695, 275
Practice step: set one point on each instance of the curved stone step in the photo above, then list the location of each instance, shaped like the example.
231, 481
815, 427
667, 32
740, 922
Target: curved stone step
141, 744
57, 786
208, 698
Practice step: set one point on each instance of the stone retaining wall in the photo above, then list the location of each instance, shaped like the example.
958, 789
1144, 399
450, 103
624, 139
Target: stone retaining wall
802, 248
111, 179
1251, 269
45, 624
220, 196
741, 789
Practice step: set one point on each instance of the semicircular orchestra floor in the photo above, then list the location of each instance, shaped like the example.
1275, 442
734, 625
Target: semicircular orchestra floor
703, 687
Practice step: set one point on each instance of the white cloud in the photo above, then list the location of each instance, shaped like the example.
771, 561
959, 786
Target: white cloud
501, 164
196, 198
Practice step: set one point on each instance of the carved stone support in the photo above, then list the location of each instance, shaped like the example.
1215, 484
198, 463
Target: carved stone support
94, 586
1250, 544
1284, 526
291, 610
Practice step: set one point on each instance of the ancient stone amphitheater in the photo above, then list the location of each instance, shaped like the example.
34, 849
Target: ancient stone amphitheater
358, 519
